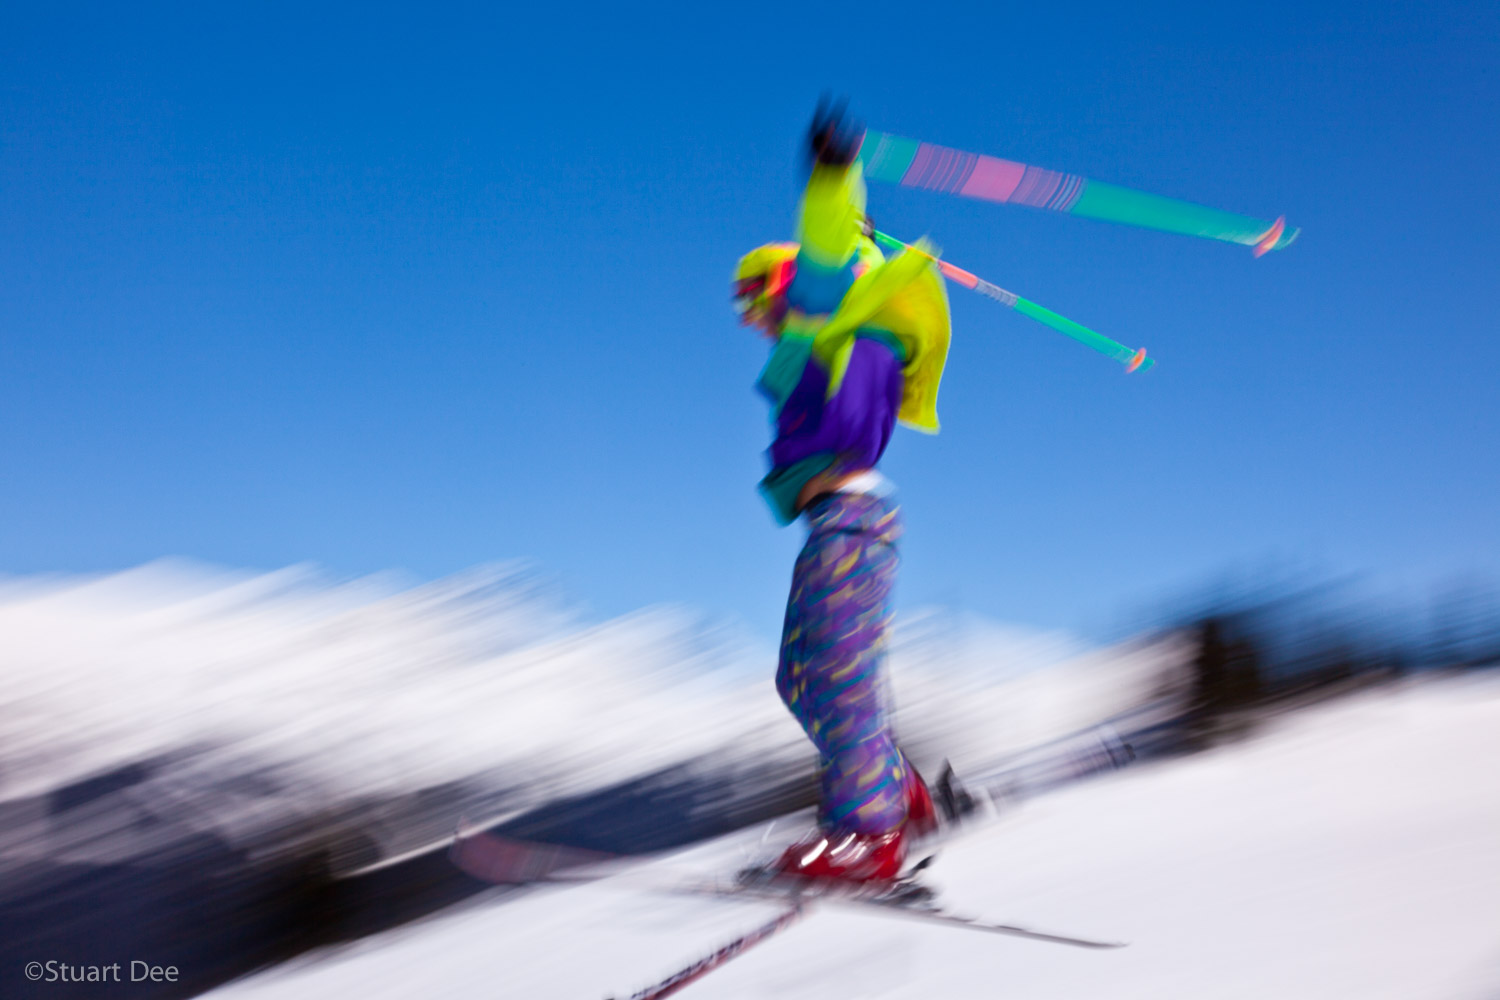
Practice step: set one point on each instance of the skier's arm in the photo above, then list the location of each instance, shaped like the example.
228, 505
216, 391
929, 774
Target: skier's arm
832, 216
903, 297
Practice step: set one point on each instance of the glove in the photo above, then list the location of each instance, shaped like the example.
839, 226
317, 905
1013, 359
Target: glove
834, 138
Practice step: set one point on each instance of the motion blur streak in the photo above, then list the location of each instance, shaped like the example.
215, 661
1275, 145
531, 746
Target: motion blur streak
218, 770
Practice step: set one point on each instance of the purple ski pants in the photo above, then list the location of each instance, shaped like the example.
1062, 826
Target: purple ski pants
831, 674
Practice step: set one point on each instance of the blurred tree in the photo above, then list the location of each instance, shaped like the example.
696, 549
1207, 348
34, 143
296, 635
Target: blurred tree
1465, 625
1226, 680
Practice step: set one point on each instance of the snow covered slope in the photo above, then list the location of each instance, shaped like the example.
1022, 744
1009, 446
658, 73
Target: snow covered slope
1351, 850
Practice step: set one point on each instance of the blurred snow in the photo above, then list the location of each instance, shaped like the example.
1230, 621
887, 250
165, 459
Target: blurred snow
1348, 851
375, 687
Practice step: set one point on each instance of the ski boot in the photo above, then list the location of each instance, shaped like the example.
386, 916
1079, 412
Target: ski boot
871, 861
851, 859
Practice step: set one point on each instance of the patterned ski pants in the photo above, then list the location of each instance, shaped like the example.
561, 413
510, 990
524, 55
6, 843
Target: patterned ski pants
831, 675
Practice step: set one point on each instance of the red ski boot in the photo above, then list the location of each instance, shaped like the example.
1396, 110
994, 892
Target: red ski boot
857, 858
862, 858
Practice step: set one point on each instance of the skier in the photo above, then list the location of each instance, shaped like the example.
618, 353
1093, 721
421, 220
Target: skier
859, 344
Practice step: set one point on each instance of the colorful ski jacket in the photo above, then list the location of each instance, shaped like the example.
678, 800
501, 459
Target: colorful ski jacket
862, 346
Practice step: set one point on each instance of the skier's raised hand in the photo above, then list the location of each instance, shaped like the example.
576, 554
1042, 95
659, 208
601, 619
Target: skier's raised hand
834, 138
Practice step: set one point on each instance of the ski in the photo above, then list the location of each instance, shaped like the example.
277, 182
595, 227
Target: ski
939, 914
908, 898
733, 949
964, 808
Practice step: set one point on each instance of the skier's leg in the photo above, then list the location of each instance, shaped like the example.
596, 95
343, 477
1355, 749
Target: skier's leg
832, 657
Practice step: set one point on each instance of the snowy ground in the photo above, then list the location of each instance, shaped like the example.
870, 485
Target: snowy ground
1347, 851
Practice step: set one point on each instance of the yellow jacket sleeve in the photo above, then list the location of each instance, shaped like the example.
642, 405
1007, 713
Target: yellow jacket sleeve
832, 216
907, 298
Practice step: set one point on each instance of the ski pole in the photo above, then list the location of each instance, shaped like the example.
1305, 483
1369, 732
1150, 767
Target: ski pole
1133, 360
913, 163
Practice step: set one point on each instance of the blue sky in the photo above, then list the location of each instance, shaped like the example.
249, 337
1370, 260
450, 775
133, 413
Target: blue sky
385, 288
